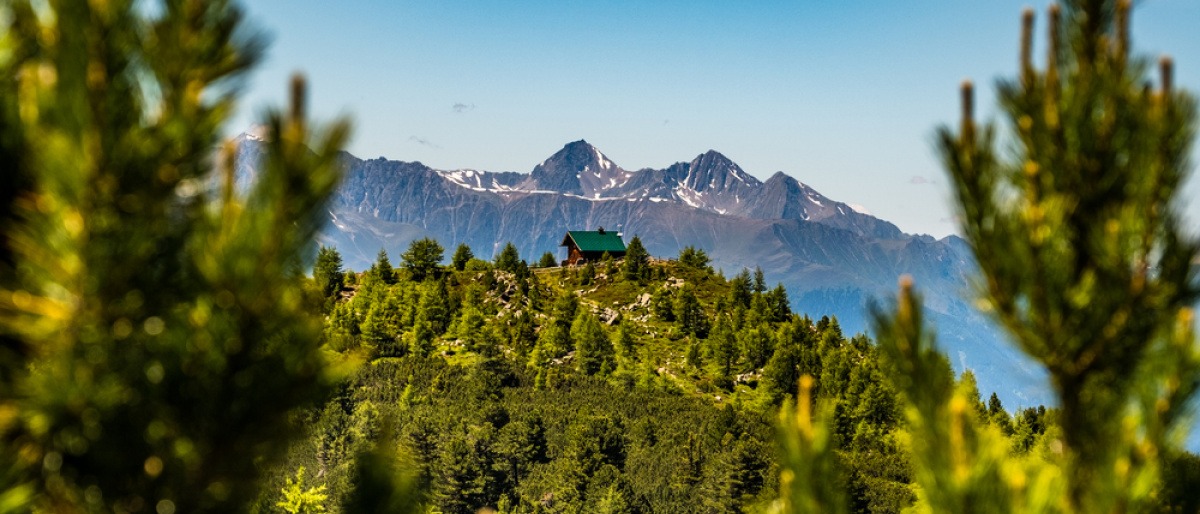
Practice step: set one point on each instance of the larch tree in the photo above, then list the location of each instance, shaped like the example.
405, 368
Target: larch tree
382, 269
328, 274
423, 258
462, 255
637, 260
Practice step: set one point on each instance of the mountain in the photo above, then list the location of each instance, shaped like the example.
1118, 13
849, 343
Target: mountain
832, 258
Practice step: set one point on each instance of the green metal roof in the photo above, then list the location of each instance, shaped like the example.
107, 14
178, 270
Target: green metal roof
595, 240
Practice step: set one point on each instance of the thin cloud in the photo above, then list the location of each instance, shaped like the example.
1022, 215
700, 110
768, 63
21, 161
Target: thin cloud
423, 142
920, 181
460, 108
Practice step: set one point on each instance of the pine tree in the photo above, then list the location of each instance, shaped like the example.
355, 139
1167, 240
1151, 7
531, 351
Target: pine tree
462, 255
423, 258
740, 289
779, 306
173, 335
693, 258
637, 261
760, 282
328, 274
1085, 263
508, 258
382, 269
662, 304
593, 350
547, 261
1089, 268
723, 346
689, 314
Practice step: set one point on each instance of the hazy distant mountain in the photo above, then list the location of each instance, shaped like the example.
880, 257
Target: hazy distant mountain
832, 258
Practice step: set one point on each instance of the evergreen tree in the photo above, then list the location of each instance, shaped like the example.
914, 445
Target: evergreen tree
723, 346
625, 342
758, 344
637, 260
508, 259
740, 289
382, 269
662, 304
173, 338
782, 372
547, 261
760, 282
778, 304
423, 258
588, 275
1085, 263
593, 350
563, 310
693, 258
434, 307
328, 274
689, 314
462, 255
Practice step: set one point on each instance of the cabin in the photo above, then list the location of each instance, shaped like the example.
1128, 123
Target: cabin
590, 245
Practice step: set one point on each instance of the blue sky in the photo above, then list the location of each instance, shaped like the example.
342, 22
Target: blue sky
843, 95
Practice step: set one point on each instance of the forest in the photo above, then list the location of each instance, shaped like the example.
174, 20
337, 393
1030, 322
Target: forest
167, 343
630, 385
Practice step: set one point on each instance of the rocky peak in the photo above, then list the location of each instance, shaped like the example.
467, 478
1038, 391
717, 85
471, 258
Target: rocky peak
712, 171
578, 168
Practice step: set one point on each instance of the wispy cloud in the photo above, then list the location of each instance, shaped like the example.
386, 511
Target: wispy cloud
460, 108
919, 180
424, 142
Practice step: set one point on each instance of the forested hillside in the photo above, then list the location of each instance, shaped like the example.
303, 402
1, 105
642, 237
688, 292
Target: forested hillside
631, 385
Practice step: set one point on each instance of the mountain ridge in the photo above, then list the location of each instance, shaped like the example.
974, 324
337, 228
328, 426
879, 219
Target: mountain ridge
832, 258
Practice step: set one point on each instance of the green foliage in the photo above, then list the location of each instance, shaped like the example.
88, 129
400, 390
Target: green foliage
328, 274
298, 500
1085, 263
662, 304
689, 314
760, 282
547, 261
382, 269
172, 332
740, 290
462, 255
423, 258
593, 351
637, 261
508, 259
693, 257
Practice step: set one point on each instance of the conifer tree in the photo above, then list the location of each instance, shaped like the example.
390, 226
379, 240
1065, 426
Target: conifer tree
662, 304
693, 258
740, 289
1085, 262
593, 350
173, 339
422, 258
462, 255
723, 347
547, 261
328, 273
637, 260
382, 269
689, 314
508, 259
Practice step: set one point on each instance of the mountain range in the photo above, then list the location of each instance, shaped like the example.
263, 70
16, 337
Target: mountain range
833, 258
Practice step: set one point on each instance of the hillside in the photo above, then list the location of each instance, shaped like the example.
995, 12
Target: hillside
832, 258
640, 386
